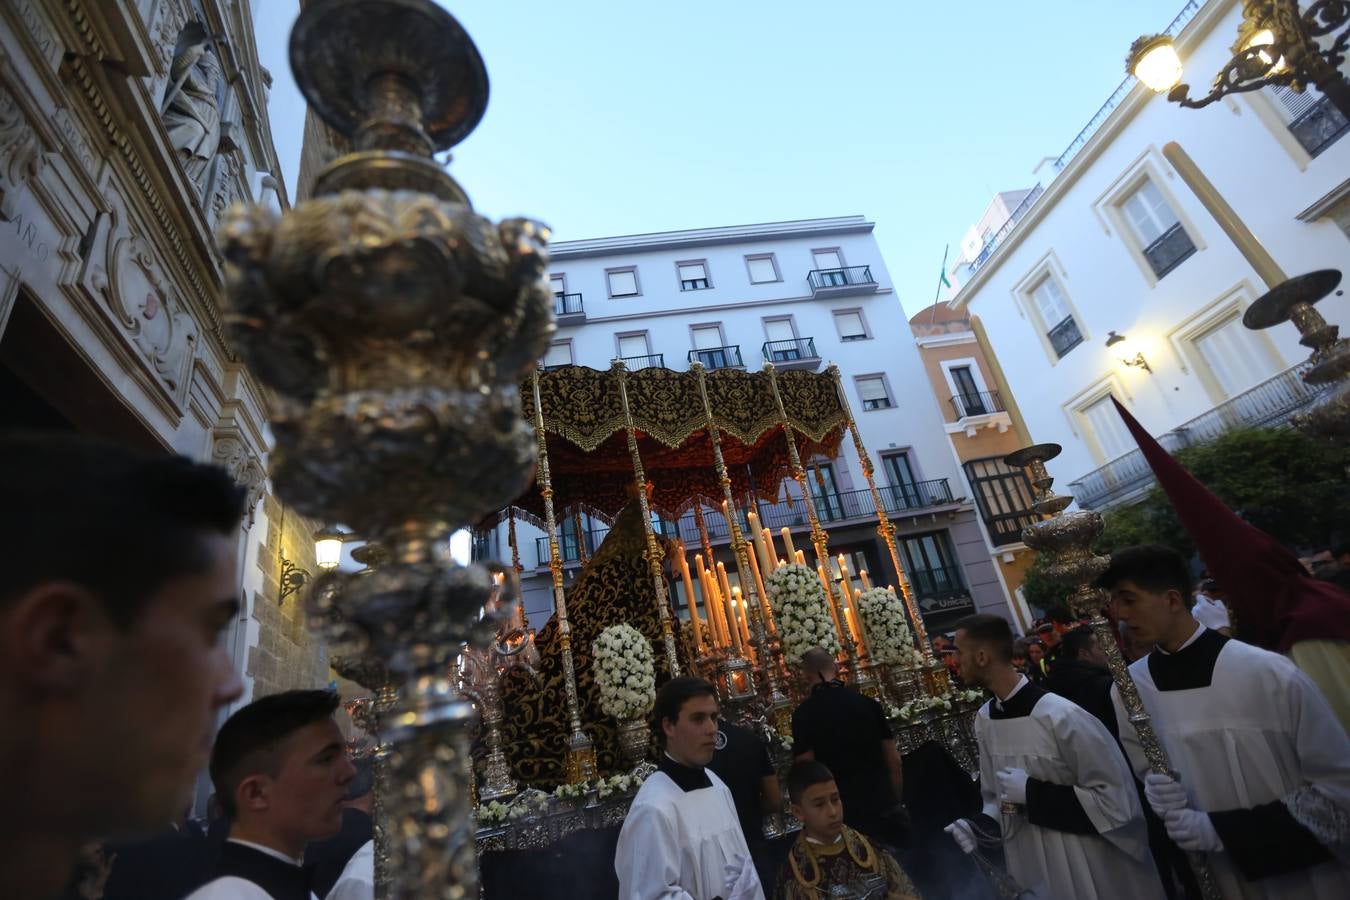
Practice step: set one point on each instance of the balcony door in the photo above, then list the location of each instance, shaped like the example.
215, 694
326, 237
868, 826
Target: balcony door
782, 340
933, 569
900, 477
633, 348
828, 504
969, 392
831, 267
1112, 437
708, 344
1235, 356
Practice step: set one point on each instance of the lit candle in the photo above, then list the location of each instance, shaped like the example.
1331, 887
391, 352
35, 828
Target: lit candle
770, 551
800, 557
867, 582
761, 554
738, 604
683, 563
845, 580
787, 541
763, 595
852, 621
730, 610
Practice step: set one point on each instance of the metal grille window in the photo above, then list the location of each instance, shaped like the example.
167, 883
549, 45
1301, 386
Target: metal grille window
872, 392
1313, 120
1056, 318
1165, 242
693, 276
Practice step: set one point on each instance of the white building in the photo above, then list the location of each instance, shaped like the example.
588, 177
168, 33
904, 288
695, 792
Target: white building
1117, 244
800, 294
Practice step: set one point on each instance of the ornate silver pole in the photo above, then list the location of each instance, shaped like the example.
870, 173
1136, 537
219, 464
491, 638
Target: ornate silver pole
580, 763
653, 553
392, 326
1066, 540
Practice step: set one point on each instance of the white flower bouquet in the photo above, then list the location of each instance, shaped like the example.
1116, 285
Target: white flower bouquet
923, 704
886, 628
625, 672
801, 611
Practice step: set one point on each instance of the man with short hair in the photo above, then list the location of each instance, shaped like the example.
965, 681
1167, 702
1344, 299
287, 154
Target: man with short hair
120, 575
1056, 790
331, 856
848, 732
281, 771
1082, 675
829, 858
681, 839
1264, 765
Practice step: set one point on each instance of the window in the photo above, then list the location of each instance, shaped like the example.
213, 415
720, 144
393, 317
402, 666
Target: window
1235, 356
693, 276
936, 576
1311, 118
1058, 322
849, 322
1004, 497
559, 354
967, 391
1164, 242
900, 477
828, 503
557, 284
782, 344
710, 349
763, 269
623, 282
1107, 429
632, 346
872, 391
830, 268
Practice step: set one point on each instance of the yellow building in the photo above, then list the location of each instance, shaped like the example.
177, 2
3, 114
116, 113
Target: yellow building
983, 425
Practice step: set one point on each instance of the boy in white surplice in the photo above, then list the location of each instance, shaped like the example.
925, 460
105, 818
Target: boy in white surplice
1054, 784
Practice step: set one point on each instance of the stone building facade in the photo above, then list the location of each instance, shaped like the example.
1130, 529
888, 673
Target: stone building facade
126, 130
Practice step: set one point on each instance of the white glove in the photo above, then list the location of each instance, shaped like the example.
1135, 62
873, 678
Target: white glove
963, 834
1192, 830
1012, 785
1164, 794
742, 881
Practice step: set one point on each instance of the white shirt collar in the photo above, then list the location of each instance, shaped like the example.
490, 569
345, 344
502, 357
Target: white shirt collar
822, 843
1199, 630
1021, 683
275, 854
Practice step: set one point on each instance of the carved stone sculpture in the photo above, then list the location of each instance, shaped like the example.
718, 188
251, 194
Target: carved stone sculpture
190, 108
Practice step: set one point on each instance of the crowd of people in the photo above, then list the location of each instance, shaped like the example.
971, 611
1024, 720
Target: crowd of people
112, 674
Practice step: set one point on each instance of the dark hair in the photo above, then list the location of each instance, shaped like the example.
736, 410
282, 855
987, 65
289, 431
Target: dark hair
1060, 615
672, 696
247, 742
1151, 566
803, 774
1075, 642
116, 521
992, 630
1020, 647
363, 782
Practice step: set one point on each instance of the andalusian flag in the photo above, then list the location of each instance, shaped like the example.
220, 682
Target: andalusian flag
942, 275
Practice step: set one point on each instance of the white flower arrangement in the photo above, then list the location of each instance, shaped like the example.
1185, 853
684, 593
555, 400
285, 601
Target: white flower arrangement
944, 703
774, 739
625, 672
801, 611
889, 639
528, 803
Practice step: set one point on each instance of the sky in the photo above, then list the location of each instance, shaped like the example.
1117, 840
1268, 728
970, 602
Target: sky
609, 118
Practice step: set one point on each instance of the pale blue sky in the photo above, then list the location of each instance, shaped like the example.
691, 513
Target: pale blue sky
612, 117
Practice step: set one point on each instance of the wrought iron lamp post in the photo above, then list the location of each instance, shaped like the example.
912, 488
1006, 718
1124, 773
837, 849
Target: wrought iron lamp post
1277, 44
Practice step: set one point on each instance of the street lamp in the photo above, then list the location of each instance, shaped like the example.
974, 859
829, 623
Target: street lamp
1276, 45
1122, 347
328, 546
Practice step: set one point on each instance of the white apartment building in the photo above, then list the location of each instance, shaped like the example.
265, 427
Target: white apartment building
801, 295
1116, 244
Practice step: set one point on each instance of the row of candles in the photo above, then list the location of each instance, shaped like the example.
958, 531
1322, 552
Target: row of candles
726, 624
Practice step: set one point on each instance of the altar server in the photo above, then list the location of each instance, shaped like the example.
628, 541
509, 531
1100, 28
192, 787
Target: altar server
682, 839
1263, 763
1055, 786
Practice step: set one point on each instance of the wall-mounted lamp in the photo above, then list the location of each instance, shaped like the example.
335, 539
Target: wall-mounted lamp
1120, 345
293, 578
328, 546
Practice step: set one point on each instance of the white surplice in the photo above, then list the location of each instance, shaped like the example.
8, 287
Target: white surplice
1058, 742
1259, 732
676, 844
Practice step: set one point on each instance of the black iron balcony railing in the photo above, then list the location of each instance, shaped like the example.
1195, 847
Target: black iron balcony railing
718, 357
567, 304
977, 403
1169, 250
650, 361
944, 581
1065, 336
997, 238
824, 279
1319, 126
790, 351
569, 548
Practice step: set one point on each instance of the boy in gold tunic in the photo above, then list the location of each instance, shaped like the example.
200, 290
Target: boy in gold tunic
828, 855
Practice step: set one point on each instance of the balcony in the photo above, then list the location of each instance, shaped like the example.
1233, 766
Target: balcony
570, 549
981, 403
1320, 126
1126, 478
1169, 251
567, 309
650, 361
838, 282
718, 357
798, 353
